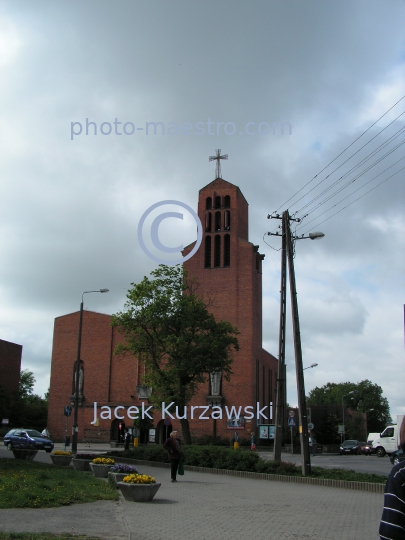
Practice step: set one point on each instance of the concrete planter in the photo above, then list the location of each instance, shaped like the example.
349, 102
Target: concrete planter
28, 455
114, 478
100, 470
81, 464
138, 492
61, 461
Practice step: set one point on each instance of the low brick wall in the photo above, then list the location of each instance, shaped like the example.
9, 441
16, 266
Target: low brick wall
325, 482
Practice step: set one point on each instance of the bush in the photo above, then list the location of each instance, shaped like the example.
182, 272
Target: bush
278, 467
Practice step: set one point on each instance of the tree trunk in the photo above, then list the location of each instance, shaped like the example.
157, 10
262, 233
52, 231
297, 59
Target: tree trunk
185, 427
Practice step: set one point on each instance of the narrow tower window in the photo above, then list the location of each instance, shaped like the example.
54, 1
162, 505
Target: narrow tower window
208, 203
227, 250
217, 251
218, 202
217, 221
227, 220
208, 220
207, 263
227, 203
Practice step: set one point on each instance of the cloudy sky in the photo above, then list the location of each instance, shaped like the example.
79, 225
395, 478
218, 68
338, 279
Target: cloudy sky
71, 197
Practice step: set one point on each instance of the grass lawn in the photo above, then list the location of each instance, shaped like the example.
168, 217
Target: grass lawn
44, 536
27, 484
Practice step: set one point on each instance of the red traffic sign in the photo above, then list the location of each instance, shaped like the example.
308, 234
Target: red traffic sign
291, 414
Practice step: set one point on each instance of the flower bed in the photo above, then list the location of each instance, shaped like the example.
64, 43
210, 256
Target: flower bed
138, 487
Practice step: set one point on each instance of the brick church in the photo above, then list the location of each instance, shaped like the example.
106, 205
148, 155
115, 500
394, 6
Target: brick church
229, 270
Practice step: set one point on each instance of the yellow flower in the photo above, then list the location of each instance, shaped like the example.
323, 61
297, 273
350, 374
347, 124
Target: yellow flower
61, 453
139, 479
104, 461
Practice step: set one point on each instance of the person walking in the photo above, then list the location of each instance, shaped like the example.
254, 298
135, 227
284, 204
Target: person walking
173, 447
127, 439
45, 433
392, 525
252, 441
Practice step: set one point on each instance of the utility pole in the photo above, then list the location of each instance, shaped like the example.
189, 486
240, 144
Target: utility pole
287, 253
281, 382
302, 407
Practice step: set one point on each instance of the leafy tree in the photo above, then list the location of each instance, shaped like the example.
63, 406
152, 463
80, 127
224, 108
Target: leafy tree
179, 340
327, 431
27, 381
29, 410
365, 396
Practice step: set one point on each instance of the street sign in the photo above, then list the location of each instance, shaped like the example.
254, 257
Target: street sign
67, 411
291, 422
311, 425
291, 414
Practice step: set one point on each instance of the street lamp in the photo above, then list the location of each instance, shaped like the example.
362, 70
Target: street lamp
343, 415
77, 381
312, 365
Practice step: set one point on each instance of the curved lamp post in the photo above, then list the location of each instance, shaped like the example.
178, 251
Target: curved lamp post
312, 365
77, 381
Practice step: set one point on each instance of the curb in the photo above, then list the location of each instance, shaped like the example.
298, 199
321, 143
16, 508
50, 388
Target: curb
324, 482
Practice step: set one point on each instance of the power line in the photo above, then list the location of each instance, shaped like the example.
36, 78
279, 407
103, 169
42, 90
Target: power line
330, 163
352, 193
361, 196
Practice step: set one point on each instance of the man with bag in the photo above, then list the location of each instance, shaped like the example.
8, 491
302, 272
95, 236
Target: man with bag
174, 454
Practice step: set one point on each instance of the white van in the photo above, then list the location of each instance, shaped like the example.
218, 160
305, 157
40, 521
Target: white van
388, 441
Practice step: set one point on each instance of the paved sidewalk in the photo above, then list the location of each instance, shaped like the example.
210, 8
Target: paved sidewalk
205, 506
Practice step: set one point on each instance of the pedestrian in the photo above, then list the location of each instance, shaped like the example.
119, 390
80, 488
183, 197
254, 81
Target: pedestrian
45, 433
127, 439
175, 455
312, 447
252, 441
392, 525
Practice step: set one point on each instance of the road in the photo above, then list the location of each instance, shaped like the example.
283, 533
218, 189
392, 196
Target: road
363, 464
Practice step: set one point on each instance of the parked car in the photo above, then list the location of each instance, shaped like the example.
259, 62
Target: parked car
366, 448
397, 456
350, 447
27, 438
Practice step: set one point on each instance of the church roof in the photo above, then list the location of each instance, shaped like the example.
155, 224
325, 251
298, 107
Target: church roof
217, 181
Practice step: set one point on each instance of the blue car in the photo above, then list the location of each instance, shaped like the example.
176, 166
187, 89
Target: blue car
27, 438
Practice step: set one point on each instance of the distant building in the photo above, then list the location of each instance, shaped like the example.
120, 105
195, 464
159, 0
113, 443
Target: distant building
10, 367
229, 270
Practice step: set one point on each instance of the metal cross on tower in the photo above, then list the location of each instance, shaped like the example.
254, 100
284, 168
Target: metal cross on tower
218, 157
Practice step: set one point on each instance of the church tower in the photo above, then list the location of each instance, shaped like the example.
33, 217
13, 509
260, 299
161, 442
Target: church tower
229, 270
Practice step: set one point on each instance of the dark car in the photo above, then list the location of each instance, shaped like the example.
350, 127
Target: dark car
397, 456
27, 438
366, 448
350, 447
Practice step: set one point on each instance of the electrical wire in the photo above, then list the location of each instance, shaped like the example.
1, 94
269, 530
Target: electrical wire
350, 194
361, 196
330, 163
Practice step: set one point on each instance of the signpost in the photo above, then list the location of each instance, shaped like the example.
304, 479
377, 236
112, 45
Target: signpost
67, 411
310, 425
291, 423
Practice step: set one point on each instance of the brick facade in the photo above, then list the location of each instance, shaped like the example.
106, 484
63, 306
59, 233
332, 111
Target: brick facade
228, 269
10, 367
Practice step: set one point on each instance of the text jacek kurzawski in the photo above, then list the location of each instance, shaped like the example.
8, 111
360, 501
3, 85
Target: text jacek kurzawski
193, 412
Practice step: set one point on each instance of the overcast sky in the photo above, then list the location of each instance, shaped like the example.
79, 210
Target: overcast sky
70, 202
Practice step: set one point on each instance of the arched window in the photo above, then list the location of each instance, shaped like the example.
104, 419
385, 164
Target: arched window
227, 220
217, 221
208, 220
207, 263
227, 250
227, 203
217, 251
217, 201
208, 203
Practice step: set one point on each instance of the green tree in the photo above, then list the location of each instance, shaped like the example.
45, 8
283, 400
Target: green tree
29, 409
366, 396
179, 340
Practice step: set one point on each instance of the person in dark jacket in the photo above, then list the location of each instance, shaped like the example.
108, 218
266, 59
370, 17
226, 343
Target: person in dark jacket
127, 439
392, 526
173, 447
